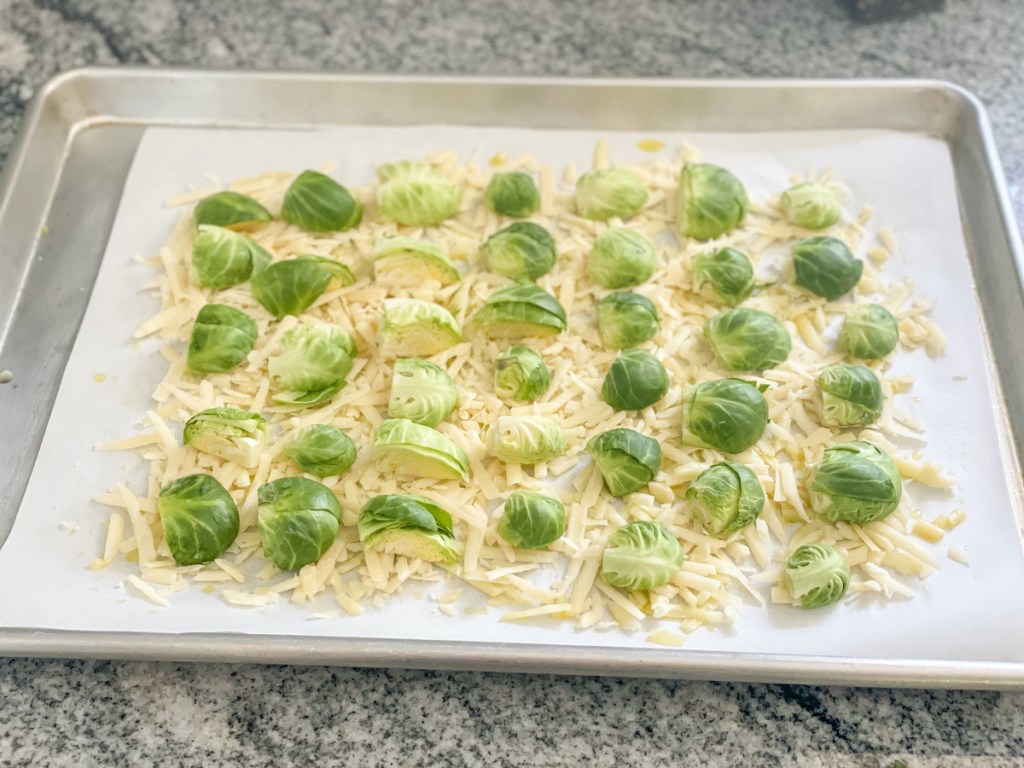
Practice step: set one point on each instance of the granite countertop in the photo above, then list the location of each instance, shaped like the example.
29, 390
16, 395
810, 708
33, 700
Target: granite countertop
75, 713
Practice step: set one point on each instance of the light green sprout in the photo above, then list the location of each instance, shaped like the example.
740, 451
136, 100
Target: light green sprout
728, 415
221, 338
849, 396
522, 251
825, 266
869, 332
711, 201
416, 328
816, 575
520, 310
298, 521
609, 192
404, 447
321, 450
727, 274
520, 374
405, 262
222, 258
810, 205
229, 209
641, 555
747, 339
409, 526
317, 203
421, 392
531, 520
855, 482
311, 363
415, 194
626, 459
726, 497
199, 518
621, 258
512, 194
625, 319
635, 380
228, 433
526, 439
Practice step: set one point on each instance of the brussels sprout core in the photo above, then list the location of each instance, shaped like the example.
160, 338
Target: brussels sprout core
711, 201
816, 575
747, 339
531, 520
228, 433
405, 262
410, 526
199, 517
415, 328
641, 555
855, 483
626, 459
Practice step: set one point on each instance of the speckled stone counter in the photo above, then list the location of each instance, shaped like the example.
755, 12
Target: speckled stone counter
56, 713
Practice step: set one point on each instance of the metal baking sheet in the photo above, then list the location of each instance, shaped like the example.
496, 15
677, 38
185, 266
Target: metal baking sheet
100, 115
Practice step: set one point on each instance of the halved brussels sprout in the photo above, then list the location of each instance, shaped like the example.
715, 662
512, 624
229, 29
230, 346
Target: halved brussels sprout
228, 433
199, 517
816, 575
221, 338
641, 555
338, 271
849, 396
415, 194
321, 450
311, 365
635, 380
222, 258
726, 497
520, 310
711, 201
825, 266
609, 192
728, 415
421, 392
407, 448
522, 251
228, 209
626, 319
410, 526
289, 287
512, 194
415, 328
298, 521
869, 332
405, 262
526, 439
531, 520
855, 482
747, 339
727, 272
626, 459
621, 258
810, 205
520, 374
317, 203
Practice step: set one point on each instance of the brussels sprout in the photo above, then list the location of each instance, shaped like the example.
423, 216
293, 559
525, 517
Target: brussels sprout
816, 575
338, 271
825, 266
609, 192
410, 526
635, 380
227, 209
405, 262
710, 202
298, 521
726, 497
521, 375
312, 363
728, 415
407, 448
641, 555
626, 459
810, 205
626, 319
527, 439
321, 450
621, 258
228, 433
512, 194
531, 520
869, 332
289, 287
412, 328
747, 339
317, 203
221, 338
520, 310
848, 396
421, 392
855, 483
222, 258
522, 251
199, 517
726, 272
415, 194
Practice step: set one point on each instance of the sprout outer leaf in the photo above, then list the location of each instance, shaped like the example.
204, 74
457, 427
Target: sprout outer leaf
228, 433
727, 497
522, 251
641, 555
728, 415
609, 192
855, 482
512, 194
810, 205
321, 450
635, 380
298, 521
221, 338
531, 520
711, 201
290, 287
408, 525
405, 262
199, 518
222, 258
727, 272
626, 459
228, 209
404, 447
421, 392
520, 310
520, 374
869, 332
621, 258
415, 194
816, 575
849, 396
747, 339
317, 203
527, 439
825, 266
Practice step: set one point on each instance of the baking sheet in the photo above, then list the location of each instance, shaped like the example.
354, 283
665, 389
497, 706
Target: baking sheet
908, 179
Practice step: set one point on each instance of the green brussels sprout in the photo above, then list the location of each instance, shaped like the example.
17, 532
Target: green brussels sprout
747, 339
289, 287
199, 517
520, 374
726, 497
869, 332
415, 328
421, 392
825, 266
405, 262
222, 258
520, 310
312, 363
415, 194
317, 203
621, 258
522, 251
410, 526
298, 521
726, 272
816, 575
512, 194
407, 448
626, 459
321, 450
810, 205
635, 380
228, 433
531, 520
855, 482
711, 201
527, 439
626, 319
228, 209
849, 396
338, 271
221, 338
728, 415
609, 192
641, 555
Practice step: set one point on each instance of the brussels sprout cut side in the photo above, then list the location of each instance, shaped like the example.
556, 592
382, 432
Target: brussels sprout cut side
222, 258
711, 201
849, 396
229, 209
199, 517
726, 273
747, 339
726, 497
626, 319
415, 328
312, 363
289, 287
825, 266
298, 521
321, 450
221, 338
609, 192
728, 415
522, 251
415, 194
626, 459
816, 575
406, 448
869, 332
621, 258
531, 520
410, 526
228, 433
635, 380
526, 439
521, 375
520, 310
512, 194
338, 271
421, 392
317, 203
641, 555
810, 205
405, 262
855, 483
